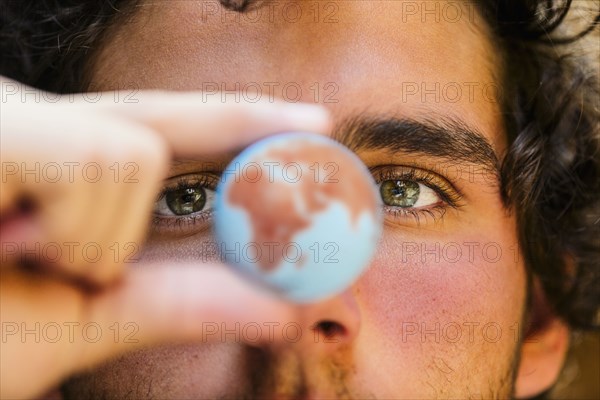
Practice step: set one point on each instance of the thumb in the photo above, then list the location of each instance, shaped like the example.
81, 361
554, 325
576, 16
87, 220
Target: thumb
177, 302
151, 305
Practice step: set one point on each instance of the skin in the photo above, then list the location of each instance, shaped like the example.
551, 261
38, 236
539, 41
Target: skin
382, 347
47, 293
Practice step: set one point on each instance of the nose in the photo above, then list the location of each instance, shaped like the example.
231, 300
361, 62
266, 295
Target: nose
330, 324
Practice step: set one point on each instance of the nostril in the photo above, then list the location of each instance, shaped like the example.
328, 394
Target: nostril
330, 329
236, 5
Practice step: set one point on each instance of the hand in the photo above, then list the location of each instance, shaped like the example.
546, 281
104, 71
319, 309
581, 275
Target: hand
64, 207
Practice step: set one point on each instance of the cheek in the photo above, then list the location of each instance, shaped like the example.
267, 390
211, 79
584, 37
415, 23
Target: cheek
427, 298
176, 371
199, 248
471, 274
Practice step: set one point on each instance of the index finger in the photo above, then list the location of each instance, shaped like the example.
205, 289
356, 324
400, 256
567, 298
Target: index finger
193, 125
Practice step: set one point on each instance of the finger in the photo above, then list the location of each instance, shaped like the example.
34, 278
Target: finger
31, 309
18, 235
176, 302
196, 126
129, 195
78, 211
152, 305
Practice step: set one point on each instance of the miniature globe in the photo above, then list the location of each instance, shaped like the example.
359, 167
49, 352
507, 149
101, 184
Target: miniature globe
300, 213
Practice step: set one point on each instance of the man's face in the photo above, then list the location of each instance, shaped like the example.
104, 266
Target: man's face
439, 310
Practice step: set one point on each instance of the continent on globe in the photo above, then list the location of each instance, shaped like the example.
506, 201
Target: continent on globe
300, 212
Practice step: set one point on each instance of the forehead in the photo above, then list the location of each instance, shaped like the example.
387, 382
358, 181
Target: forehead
413, 59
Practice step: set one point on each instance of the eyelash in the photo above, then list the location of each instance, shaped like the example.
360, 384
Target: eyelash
448, 194
207, 180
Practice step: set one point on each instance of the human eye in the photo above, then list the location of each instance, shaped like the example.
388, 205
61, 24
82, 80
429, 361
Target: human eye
185, 204
410, 193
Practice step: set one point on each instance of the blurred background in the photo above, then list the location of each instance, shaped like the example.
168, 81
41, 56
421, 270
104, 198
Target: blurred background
580, 377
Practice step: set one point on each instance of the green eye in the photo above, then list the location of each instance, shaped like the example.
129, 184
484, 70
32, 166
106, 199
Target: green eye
186, 196
400, 193
186, 200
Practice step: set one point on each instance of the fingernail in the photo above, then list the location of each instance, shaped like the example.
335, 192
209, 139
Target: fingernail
307, 116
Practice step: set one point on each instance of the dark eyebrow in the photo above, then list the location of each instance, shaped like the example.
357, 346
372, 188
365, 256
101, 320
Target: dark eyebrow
445, 138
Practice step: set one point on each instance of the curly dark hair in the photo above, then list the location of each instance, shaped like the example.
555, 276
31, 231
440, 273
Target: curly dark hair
550, 174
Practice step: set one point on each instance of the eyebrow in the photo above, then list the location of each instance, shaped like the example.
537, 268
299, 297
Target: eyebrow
446, 138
